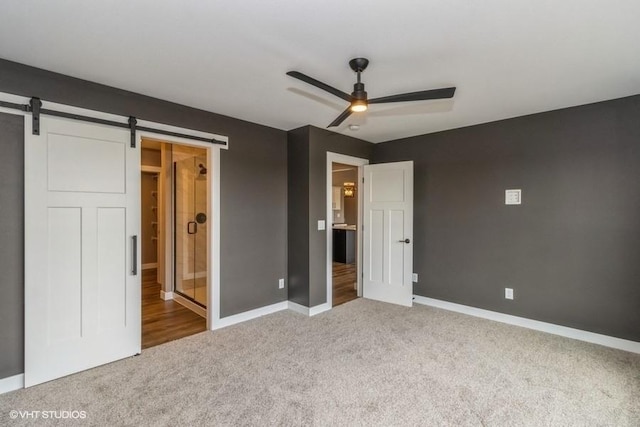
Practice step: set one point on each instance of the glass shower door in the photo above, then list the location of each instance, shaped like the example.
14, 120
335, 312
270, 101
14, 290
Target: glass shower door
190, 228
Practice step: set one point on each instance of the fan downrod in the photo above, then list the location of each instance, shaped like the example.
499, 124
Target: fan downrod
358, 64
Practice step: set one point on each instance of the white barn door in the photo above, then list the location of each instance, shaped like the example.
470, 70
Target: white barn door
82, 216
388, 232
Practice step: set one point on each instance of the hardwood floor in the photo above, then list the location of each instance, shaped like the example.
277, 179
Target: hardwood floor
164, 321
344, 278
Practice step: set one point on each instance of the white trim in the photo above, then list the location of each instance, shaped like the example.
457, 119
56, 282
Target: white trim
308, 311
320, 308
166, 296
150, 265
213, 284
16, 100
13, 383
249, 315
576, 334
185, 302
298, 308
353, 161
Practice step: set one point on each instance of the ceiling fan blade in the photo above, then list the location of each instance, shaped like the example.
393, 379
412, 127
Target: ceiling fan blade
332, 90
416, 96
346, 113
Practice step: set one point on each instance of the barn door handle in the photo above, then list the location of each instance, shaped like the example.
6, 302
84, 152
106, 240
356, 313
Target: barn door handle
404, 241
189, 227
134, 255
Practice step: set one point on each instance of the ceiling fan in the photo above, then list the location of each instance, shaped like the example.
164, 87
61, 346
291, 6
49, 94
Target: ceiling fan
358, 101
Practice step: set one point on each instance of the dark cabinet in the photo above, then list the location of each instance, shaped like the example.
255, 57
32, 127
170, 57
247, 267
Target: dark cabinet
344, 246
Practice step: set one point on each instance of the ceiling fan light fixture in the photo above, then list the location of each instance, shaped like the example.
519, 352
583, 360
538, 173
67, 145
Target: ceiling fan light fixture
358, 106
358, 100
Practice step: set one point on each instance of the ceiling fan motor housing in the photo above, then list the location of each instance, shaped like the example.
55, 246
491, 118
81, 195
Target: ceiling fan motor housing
359, 92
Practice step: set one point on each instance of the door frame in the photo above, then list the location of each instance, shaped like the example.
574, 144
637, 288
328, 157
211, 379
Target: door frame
359, 163
213, 232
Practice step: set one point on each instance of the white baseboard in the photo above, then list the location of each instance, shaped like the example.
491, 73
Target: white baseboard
166, 295
576, 334
13, 383
308, 311
149, 266
249, 315
298, 308
319, 309
190, 305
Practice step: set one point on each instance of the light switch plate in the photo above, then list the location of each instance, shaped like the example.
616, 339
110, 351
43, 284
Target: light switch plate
513, 197
508, 293
321, 224
414, 277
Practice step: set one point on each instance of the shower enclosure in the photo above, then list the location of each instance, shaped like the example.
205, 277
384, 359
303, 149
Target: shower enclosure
190, 226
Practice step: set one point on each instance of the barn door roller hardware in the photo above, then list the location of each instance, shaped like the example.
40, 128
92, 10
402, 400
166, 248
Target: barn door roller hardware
35, 108
132, 126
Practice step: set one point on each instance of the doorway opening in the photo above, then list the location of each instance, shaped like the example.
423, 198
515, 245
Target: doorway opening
344, 239
344, 206
174, 240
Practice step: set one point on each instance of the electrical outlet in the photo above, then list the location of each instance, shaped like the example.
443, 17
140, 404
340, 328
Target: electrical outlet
414, 277
281, 284
508, 293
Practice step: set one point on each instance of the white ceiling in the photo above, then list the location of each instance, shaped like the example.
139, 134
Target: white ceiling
507, 58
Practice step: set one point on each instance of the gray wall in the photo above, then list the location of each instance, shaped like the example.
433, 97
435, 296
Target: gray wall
12, 245
253, 246
298, 215
253, 190
571, 251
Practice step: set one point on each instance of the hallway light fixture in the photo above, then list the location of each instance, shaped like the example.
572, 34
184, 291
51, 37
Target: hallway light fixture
349, 189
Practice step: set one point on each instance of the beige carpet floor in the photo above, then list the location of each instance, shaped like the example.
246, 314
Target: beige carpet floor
364, 363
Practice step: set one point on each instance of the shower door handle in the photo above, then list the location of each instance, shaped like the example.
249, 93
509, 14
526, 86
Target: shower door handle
192, 225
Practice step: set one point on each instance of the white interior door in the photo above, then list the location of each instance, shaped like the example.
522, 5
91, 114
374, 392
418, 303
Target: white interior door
388, 232
82, 211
